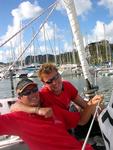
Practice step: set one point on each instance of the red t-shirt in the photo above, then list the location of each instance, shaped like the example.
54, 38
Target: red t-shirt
69, 92
42, 133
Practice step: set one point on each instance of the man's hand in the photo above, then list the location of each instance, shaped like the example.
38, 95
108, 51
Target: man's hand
46, 112
96, 99
90, 109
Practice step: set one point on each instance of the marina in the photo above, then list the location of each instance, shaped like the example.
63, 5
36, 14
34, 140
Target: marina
87, 65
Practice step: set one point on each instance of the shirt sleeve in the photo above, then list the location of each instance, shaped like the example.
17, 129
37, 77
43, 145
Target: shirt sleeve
71, 89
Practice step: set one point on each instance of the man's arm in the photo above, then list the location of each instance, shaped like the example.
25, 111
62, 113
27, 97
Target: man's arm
42, 111
79, 101
72, 119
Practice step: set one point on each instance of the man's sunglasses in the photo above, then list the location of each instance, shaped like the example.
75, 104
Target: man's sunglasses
27, 92
53, 78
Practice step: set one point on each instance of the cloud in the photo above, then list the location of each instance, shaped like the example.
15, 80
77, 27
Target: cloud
60, 5
67, 47
101, 31
48, 29
45, 50
82, 7
25, 11
107, 4
50, 34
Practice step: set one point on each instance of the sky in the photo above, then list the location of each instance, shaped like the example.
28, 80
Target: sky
95, 18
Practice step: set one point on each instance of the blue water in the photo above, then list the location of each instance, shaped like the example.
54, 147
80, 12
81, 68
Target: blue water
105, 85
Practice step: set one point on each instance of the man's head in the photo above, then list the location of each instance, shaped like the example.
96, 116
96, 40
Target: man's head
49, 75
27, 91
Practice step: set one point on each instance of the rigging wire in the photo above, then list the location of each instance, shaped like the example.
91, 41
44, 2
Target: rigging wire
87, 136
43, 12
41, 26
93, 119
49, 42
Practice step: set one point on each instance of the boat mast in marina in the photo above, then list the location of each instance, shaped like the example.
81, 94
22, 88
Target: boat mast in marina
45, 43
20, 48
105, 43
34, 48
97, 51
71, 12
73, 51
55, 44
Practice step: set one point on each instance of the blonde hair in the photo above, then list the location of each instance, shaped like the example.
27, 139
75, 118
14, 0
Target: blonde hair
46, 68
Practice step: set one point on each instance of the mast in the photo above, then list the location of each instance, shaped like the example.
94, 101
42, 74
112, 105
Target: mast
72, 16
105, 42
97, 50
34, 57
55, 45
71, 12
45, 43
73, 51
21, 59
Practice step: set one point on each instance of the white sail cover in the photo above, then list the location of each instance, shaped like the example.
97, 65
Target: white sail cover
106, 124
71, 12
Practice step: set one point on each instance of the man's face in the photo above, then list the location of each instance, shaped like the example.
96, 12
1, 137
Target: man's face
30, 96
53, 81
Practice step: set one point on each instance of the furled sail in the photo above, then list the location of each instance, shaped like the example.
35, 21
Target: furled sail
71, 12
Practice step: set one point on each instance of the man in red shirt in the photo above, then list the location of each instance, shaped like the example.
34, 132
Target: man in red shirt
38, 131
59, 92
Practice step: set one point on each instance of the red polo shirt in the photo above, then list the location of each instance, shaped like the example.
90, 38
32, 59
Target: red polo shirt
62, 100
43, 133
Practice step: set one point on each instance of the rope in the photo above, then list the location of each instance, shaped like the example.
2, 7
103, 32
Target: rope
31, 40
87, 136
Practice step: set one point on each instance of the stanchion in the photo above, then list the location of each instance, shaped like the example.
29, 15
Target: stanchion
12, 84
